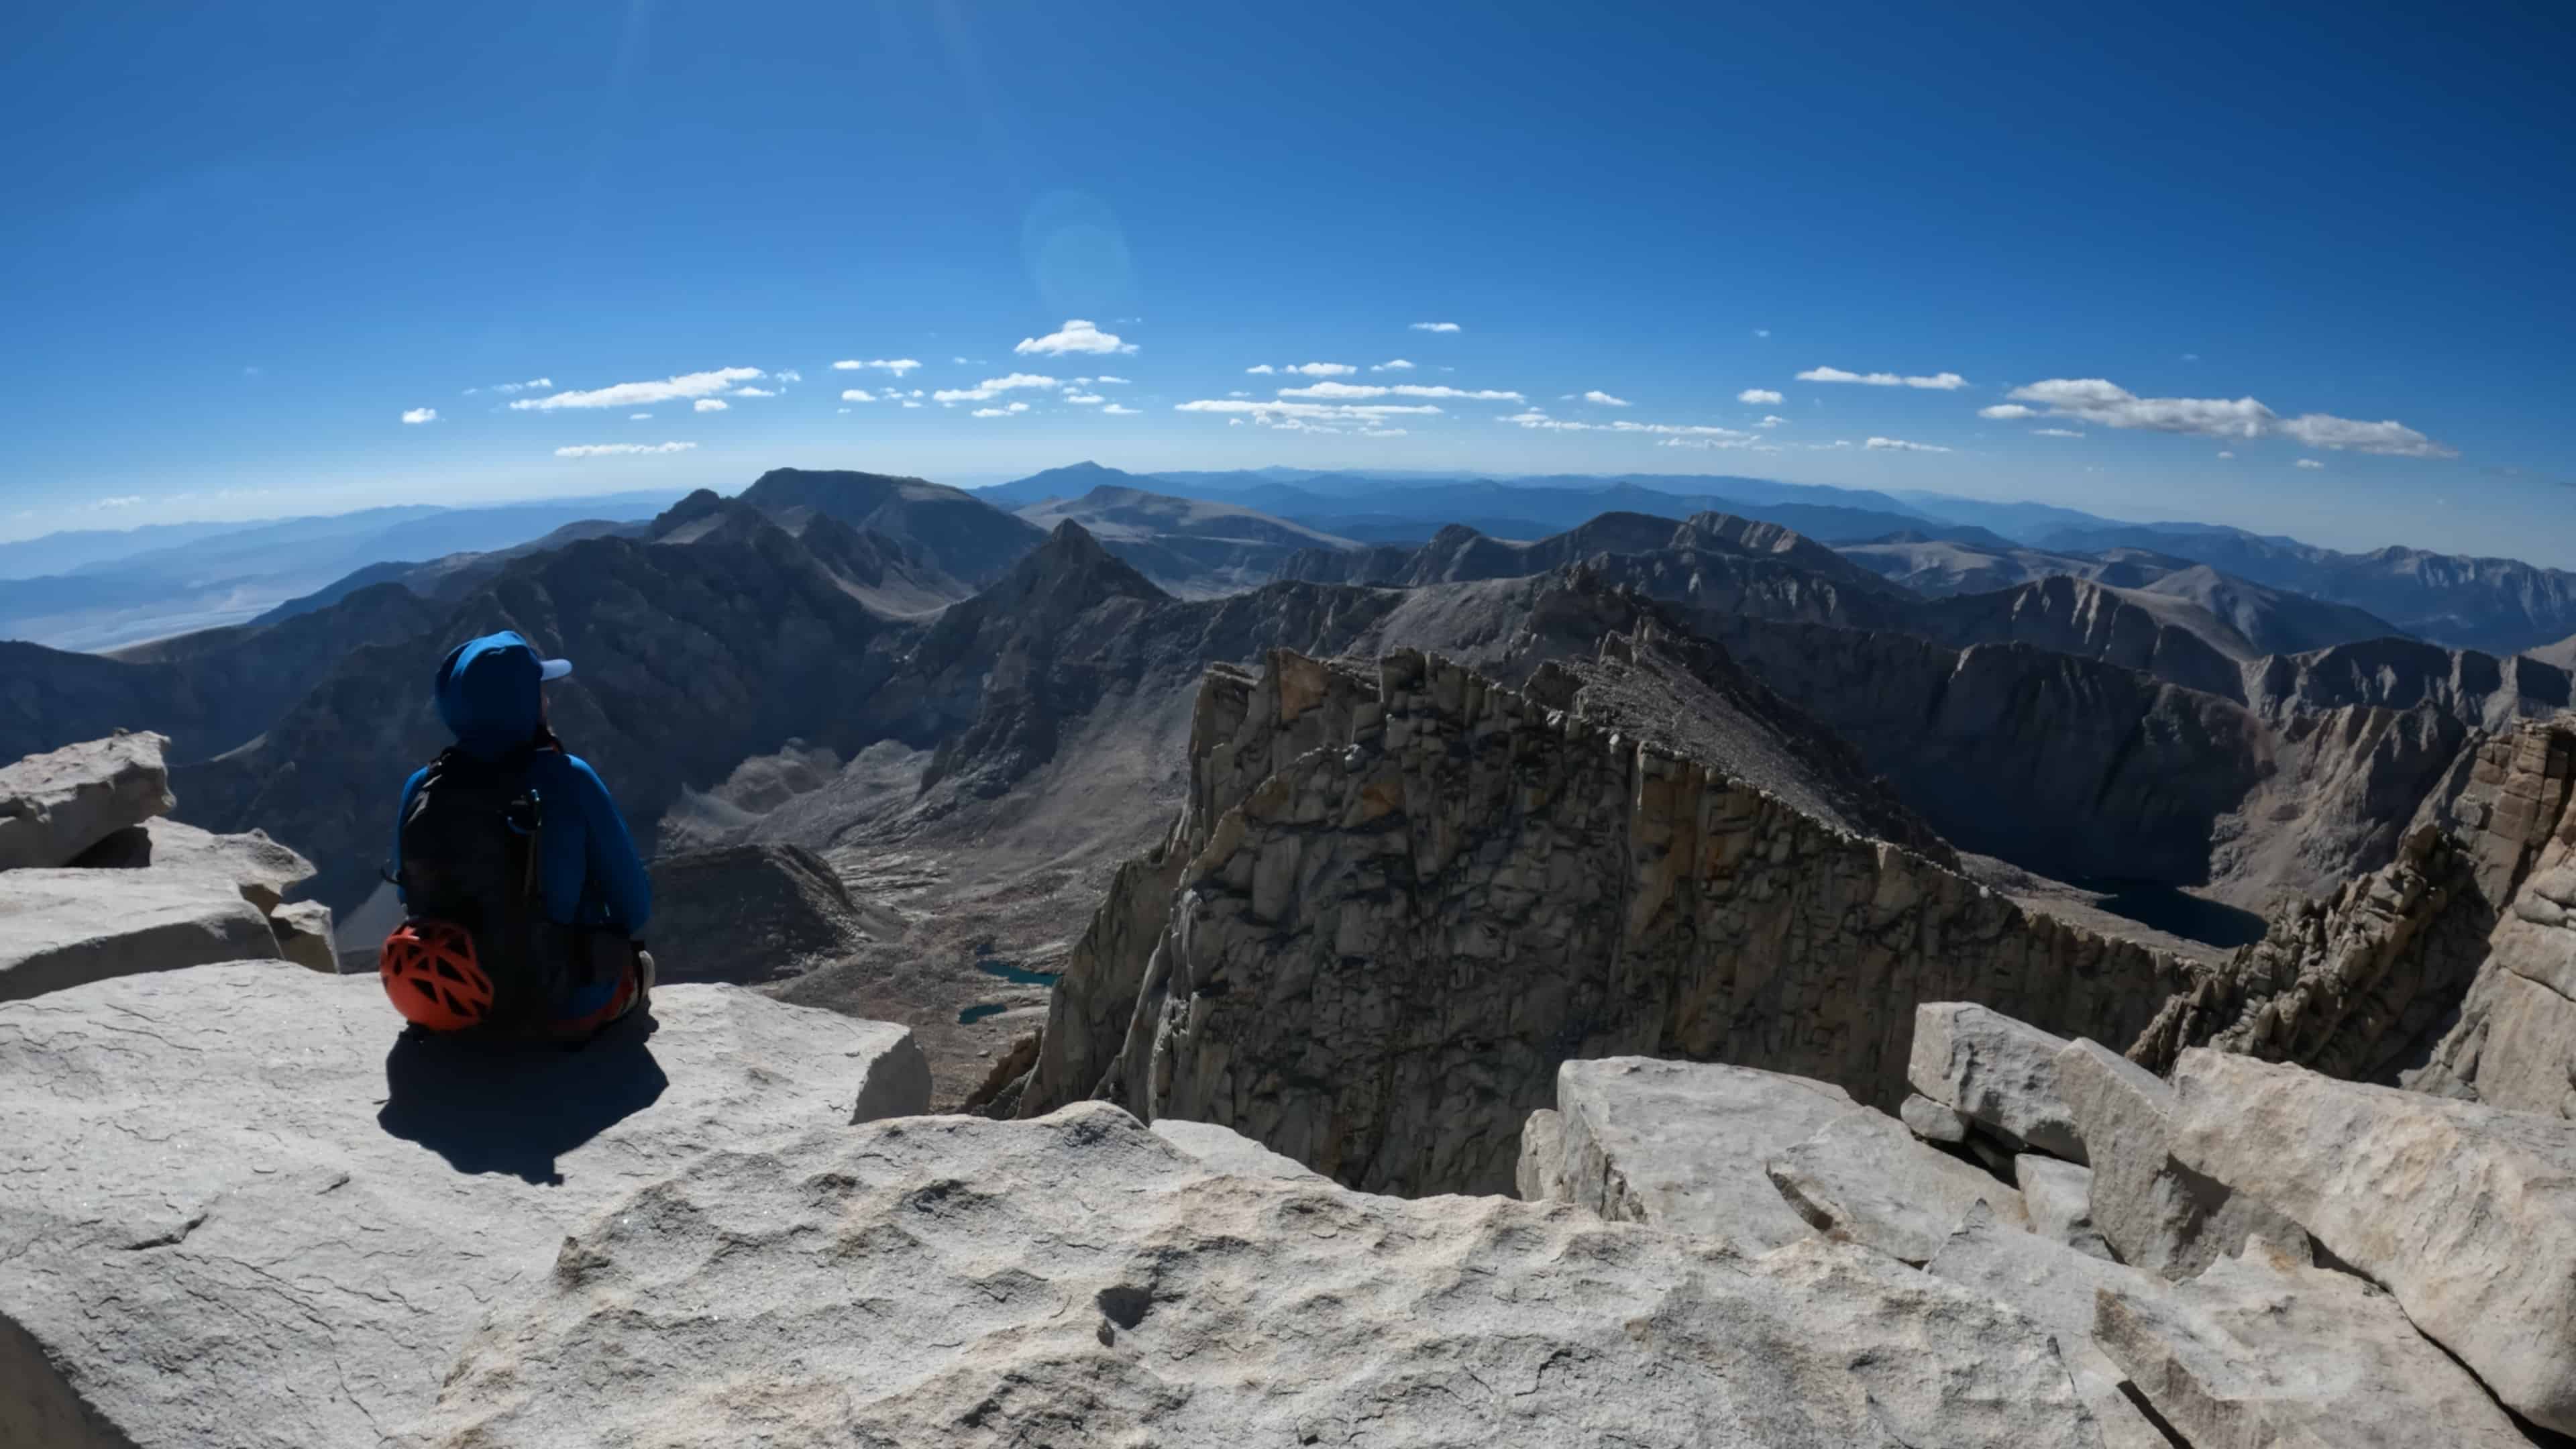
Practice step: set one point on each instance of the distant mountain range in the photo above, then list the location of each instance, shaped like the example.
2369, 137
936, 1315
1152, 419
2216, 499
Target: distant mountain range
1197, 534
1933, 542
941, 669
99, 591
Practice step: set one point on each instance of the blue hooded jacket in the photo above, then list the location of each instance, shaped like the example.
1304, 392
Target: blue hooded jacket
488, 695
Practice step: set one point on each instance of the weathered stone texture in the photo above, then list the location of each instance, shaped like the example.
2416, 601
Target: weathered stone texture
1681, 1145
54, 806
2467, 1213
1395, 905
1996, 1072
2154, 1212
65, 928
1077, 1281
239, 1209
2263, 1349
1862, 1178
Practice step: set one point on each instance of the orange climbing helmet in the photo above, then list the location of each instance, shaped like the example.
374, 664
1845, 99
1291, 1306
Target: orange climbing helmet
430, 971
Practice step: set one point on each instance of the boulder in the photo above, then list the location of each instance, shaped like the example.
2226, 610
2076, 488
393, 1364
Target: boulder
2263, 1349
2466, 1212
1681, 1145
304, 936
1864, 1179
263, 870
1932, 1121
54, 806
242, 1209
1540, 1176
2155, 1213
1994, 1071
2056, 1287
65, 928
1078, 1280
1230, 1151
2060, 1198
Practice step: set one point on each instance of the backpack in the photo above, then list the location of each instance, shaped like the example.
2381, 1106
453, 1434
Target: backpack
471, 836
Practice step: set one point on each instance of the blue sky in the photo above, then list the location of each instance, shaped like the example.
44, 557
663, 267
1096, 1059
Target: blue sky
244, 241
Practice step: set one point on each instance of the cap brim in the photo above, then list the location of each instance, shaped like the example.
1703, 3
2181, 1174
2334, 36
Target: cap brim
554, 669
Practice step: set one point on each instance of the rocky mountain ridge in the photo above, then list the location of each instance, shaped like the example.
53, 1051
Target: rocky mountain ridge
1361, 839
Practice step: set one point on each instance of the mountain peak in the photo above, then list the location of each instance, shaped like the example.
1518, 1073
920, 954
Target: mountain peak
1072, 571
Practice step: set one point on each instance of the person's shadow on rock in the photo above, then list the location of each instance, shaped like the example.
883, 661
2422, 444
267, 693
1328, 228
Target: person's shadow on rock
516, 1108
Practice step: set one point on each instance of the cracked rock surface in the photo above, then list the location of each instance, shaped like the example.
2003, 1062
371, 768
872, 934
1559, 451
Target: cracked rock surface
1077, 1280
1399, 897
54, 806
235, 1211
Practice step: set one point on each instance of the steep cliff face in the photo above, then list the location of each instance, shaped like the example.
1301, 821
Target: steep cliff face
2479, 690
2450, 969
2079, 768
1398, 898
2514, 1043
2170, 640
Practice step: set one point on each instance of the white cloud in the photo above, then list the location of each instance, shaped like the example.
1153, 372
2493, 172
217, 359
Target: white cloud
2070, 433
1732, 443
1261, 369
1938, 382
639, 417
1272, 412
1004, 411
632, 394
993, 386
1392, 364
2005, 412
1086, 399
1899, 445
1435, 326
604, 450
1771, 420
2226, 453
1118, 410
751, 392
2388, 436
420, 415
1322, 369
1076, 336
1105, 380
1382, 432
907, 402
710, 405
896, 365
1759, 395
967, 361
531, 385
1698, 435
2096, 400
857, 394
789, 374
1347, 390
1761, 331
1596, 395
121, 500
2310, 463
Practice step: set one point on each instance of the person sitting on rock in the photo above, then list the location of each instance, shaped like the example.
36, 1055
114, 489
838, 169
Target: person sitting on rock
524, 897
